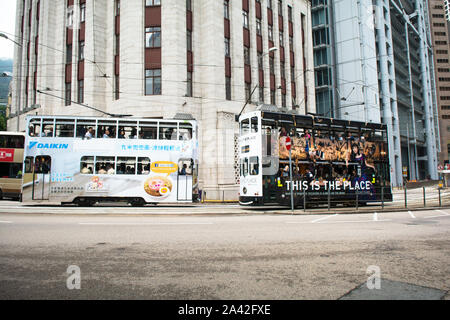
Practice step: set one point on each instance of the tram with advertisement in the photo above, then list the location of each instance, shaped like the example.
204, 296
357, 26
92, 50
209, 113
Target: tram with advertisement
11, 161
86, 160
333, 161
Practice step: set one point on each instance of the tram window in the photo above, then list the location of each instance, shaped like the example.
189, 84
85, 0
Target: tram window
105, 165
245, 167
185, 131
47, 128
143, 167
42, 164
148, 130
126, 166
127, 130
106, 129
254, 124
29, 162
10, 170
185, 167
87, 165
83, 127
168, 131
245, 127
34, 129
65, 128
13, 142
254, 166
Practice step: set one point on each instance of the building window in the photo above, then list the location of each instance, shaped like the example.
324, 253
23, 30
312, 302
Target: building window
283, 101
227, 47
282, 71
290, 13
83, 12
117, 8
189, 40
151, 3
189, 5
270, 35
246, 56
258, 26
260, 61
248, 91
81, 91
272, 65
189, 92
81, 51
153, 37
117, 86
261, 94
269, 4
226, 9
69, 54
281, 39
153, 82
280, 7
272, 97
68, 94
228, 88
245, 17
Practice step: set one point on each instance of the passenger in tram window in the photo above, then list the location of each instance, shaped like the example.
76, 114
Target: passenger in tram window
122, 134
112, 132
89, 134
183, 170
146, 169
141, 134
129, 170
283, 132
106, 135
85, 169
133, 134
109, 169
102, 170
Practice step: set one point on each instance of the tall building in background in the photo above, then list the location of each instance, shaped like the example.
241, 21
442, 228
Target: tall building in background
159, 58
440, 29
447, 9
373, 62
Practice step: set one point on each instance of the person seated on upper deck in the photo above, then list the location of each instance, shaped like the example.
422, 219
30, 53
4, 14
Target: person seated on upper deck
129, 170
141, 134
102, 170
146, 169
89, 134
121, 134
183, 170
283, 132
133, 134
106, 135
49, 133
85, 169
110, 169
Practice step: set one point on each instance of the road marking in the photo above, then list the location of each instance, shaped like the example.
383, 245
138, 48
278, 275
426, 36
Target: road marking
375, 216
445, 213
323, 218
412, 215
358, 221
6, 222
142, 224
441, 215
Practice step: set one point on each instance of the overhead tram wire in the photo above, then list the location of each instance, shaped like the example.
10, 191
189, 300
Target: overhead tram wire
113, 115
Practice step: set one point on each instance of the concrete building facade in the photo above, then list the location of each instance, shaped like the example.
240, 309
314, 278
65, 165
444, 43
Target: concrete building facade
440, 30
381, 70
159, 58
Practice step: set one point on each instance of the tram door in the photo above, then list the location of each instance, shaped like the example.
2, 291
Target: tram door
41, 177
184, 179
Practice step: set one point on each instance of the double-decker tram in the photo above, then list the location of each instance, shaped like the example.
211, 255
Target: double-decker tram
11, 162
333, 161
85, 160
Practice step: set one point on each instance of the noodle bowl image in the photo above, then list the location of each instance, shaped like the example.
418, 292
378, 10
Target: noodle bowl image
158, 186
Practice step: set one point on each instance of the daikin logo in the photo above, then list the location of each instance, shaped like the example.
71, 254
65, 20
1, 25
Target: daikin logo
48, 145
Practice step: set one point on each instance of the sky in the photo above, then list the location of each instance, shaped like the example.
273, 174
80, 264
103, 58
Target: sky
7, 25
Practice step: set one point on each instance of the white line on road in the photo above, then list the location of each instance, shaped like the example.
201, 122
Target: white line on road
375, 216
5, 221
142, 224
358, 221
323, 218
441, 215
445, 213
411, 214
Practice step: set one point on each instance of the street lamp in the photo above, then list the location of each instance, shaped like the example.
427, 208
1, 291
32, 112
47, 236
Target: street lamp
2, 35
248, 100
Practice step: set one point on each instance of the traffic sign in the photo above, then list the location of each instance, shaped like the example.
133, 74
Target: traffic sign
288, 143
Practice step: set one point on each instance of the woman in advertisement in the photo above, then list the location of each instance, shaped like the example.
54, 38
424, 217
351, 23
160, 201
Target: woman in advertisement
360, 158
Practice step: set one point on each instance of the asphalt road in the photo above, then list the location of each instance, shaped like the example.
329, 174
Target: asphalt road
224, 257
